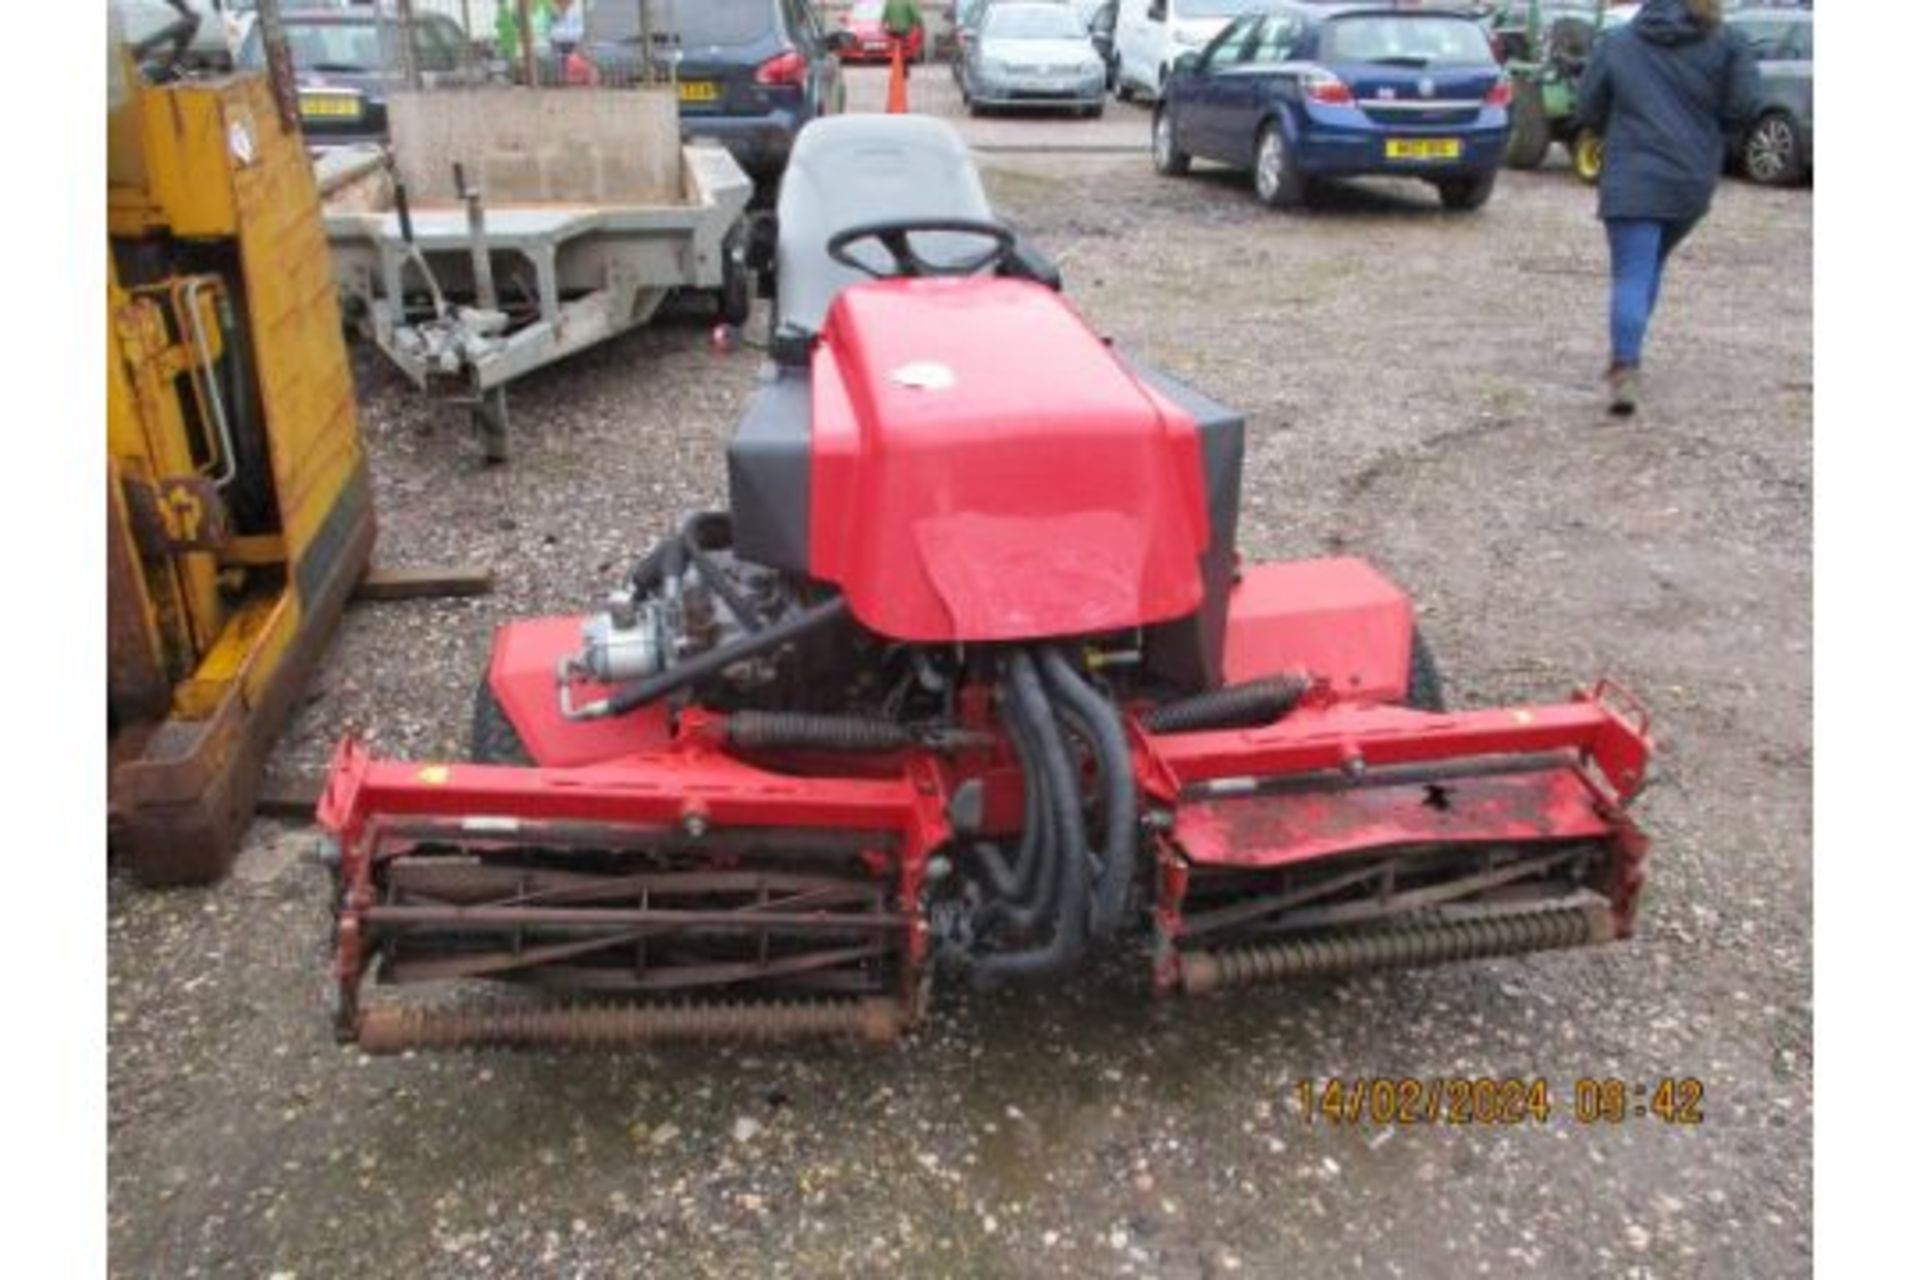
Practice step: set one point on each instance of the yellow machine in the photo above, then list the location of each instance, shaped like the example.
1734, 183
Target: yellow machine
239, 513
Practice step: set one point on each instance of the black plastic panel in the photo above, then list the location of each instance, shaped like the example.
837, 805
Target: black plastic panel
770, 473
1190, 653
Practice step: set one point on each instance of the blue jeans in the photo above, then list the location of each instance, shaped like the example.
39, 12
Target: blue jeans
1639, 247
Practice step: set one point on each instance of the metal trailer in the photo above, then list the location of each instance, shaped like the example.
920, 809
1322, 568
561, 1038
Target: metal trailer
480, 248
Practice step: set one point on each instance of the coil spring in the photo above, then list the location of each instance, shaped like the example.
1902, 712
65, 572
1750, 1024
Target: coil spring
1237, 706
394, 1030
1438, 942
802, 729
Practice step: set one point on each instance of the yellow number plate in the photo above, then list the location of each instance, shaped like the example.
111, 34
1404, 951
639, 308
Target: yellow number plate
329, 106
1423, 148
698, 91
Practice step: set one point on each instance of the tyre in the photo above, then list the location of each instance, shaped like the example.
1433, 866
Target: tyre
1771, 153
1121, 88
1168, 160
1424, 690
493, 739
1530, 138
1275, 178
490, 424
734, 298
1465, 194
1589, 156
1095, 111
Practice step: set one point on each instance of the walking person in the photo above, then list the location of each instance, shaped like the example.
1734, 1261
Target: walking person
898, 20
1665, 91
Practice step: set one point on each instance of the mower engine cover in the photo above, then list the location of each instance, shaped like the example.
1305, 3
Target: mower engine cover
962, 495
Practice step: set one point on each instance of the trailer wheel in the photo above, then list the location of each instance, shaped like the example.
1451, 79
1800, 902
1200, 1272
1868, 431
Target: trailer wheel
735, 295
1531, 138
1424, 692
490, 423
493, 739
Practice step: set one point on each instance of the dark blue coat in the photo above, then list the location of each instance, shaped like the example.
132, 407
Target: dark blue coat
1666, 91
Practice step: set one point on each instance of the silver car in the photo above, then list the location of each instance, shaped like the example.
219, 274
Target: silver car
1032, 55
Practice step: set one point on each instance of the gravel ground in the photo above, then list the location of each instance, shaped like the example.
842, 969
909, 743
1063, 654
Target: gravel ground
1422, 390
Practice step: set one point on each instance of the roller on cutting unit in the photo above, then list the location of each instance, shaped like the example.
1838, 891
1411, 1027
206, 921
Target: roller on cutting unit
969, 684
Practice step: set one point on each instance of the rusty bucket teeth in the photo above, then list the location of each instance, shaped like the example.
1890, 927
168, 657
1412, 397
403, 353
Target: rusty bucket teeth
1427, 943
615, 1026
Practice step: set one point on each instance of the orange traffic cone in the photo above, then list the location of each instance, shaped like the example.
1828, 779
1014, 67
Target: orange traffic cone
897, 80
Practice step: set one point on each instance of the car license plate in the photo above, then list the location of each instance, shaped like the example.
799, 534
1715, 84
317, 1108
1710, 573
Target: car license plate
699, 91
330, 106
1423, 148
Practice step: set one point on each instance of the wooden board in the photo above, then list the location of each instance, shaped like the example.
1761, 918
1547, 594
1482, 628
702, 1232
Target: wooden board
540, 146
423, 584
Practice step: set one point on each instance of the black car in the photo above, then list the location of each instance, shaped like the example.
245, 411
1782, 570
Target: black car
346, 62
750, 72
1777, 147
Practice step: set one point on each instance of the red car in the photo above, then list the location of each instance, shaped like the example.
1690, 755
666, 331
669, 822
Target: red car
870, 43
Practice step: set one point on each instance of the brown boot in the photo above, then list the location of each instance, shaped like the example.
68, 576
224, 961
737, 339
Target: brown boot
1623, 390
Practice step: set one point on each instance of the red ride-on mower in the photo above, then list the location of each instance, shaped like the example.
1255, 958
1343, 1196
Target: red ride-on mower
969, 682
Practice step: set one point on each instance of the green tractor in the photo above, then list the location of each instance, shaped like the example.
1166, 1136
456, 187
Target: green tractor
1545, 45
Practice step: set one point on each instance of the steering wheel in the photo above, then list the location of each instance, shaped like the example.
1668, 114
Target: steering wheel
892, 234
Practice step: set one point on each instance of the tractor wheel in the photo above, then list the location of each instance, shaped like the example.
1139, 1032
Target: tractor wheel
1530, 138
1771, 153
1168, 159
493, 739
1275, 179
1424, 691
1589, 156
1463, 195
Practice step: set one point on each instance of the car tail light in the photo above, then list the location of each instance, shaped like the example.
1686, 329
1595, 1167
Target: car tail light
789, 69
1327, 88
579, 70
1501, 94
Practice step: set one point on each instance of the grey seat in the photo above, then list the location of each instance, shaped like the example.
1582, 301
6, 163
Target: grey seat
846, 170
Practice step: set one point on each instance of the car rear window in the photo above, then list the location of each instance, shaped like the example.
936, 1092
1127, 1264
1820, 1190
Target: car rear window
1405, 40
698, 22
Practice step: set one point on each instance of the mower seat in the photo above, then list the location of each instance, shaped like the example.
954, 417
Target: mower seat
846, 170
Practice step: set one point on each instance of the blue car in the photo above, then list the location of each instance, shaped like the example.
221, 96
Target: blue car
1299, 94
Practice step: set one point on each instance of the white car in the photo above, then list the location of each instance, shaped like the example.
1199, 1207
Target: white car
1149, 34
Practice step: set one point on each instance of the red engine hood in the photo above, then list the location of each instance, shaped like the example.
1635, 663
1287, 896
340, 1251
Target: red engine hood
985, 469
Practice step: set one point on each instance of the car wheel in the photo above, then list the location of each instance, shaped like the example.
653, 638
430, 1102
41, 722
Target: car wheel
1771, 153
1464, 194
1530, 138
1167, 158
1275, 179
1094, 111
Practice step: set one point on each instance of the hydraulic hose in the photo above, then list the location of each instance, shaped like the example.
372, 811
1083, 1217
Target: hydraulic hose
1237, 706
1024, 893
1068, 941
717, 659
1108, 738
